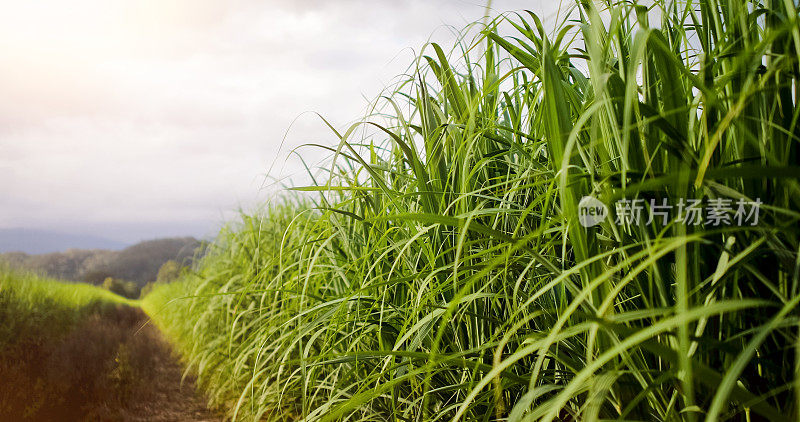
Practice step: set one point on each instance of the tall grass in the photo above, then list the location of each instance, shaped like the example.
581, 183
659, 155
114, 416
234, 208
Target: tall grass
439, 271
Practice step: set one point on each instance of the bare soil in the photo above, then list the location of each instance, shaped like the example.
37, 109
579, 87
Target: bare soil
111, 367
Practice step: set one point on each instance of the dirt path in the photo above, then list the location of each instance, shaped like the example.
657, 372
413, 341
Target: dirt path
111, 367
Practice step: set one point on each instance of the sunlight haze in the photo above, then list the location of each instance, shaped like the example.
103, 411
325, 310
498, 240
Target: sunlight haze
134, 120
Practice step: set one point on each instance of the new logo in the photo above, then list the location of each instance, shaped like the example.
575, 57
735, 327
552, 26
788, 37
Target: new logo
591, 211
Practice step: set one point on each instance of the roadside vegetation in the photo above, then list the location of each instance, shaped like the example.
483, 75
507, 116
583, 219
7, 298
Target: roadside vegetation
59, 352
436, 268
35, 307
76, 352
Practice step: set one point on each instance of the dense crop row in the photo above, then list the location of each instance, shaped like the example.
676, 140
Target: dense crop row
438, 270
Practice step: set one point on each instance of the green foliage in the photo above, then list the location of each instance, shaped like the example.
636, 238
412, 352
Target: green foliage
123, 288
146, 289
169, 272
73, 352
440, 273
35, 307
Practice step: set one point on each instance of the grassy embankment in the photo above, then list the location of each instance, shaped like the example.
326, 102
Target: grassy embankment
68, 351
438, 270
36, 307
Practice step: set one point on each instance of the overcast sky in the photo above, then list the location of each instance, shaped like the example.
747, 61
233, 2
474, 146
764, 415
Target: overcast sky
146, 118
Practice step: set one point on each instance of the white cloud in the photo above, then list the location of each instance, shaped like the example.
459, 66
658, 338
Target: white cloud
124, 114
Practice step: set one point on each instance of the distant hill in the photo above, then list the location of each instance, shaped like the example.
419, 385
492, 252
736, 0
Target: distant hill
138, 263
32, 241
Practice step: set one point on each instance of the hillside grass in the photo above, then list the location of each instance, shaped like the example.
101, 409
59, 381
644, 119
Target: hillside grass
436, 270
76, 352
33, 307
